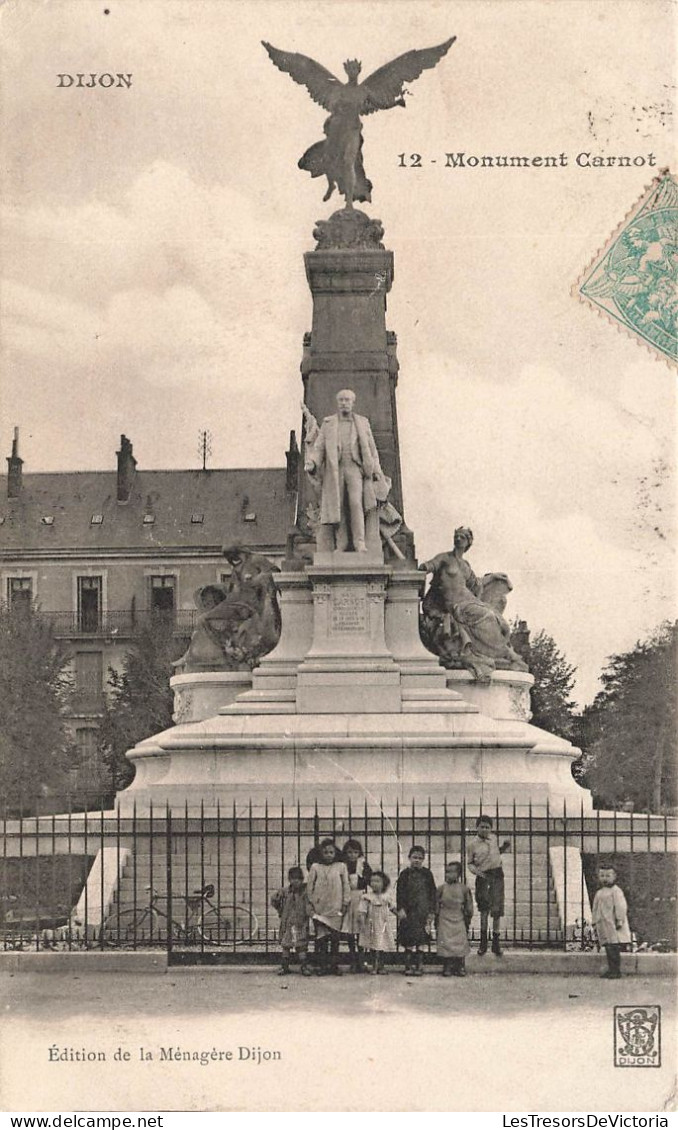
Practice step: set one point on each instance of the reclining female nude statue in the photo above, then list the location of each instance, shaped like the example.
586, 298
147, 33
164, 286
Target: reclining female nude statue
462, 617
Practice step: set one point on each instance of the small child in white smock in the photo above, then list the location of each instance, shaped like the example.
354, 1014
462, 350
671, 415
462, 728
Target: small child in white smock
610, 918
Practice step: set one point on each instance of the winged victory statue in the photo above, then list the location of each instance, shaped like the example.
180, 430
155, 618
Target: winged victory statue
339, 156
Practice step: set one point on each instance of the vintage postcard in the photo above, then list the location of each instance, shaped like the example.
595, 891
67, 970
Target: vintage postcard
310, 307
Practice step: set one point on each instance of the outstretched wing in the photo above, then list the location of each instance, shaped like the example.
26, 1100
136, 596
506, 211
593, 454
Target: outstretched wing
384, 88
320, 83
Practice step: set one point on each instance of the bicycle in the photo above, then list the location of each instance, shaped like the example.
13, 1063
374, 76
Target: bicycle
205, 923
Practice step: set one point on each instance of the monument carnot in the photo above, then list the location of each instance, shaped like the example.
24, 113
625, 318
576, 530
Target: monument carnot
330, 678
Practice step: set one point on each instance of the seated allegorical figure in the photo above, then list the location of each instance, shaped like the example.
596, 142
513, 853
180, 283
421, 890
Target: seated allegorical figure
462, 617
240, 619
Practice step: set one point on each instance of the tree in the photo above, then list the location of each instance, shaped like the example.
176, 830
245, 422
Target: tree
140, 700
552, 707
36, 753
631, 725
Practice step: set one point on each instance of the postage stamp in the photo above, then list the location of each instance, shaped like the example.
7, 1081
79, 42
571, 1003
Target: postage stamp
633, 280
637, 1035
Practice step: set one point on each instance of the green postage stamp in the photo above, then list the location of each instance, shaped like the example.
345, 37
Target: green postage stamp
634, 279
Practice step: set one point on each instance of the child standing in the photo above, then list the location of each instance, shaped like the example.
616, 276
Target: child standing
455, 911
416, 901
329, 894
376, 931
484, 861
359, 874
610, 918
292, 904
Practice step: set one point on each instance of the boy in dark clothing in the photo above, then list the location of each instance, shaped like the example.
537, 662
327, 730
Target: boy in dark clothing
416, 901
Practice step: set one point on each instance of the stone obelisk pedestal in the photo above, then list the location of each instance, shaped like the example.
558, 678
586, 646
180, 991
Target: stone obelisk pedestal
350, 274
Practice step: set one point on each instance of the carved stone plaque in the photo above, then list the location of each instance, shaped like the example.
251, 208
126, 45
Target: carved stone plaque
348, 609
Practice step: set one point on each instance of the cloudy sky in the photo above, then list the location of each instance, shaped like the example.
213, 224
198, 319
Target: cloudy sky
154, 284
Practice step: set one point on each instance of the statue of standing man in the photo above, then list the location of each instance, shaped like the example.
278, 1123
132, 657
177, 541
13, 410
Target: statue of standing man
343, 461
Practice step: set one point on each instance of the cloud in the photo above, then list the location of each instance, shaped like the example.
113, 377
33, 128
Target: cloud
548, 478
568, 449
169, 229
171, 289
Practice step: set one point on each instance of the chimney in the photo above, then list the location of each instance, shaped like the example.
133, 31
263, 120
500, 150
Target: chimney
292, 479
14, 465
520, 640
126, 468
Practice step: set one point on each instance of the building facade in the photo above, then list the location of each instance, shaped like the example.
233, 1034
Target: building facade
100, 553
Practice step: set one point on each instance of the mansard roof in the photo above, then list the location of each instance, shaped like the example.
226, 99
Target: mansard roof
165, 509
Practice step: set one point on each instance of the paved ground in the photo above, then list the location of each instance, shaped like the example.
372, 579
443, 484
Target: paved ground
514, 1042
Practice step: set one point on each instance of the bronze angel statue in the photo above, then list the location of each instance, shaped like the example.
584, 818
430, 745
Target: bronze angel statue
339, 156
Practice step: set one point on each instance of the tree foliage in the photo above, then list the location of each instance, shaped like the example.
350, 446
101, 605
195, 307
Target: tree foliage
140, 700
552, 707
630, 728
36, 752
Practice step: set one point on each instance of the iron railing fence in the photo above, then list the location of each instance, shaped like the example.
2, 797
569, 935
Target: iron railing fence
117, 624
199, 882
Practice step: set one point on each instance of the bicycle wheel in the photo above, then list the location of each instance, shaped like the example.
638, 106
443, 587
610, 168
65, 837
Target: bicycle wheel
131, 927
229, 925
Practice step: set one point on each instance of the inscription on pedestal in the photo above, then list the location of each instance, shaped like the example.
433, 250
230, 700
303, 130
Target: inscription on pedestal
348, 610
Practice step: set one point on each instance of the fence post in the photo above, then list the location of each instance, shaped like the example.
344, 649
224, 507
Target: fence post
168, 868
234, 834
266, 891
218, 847
530, 870
135, 869
565, 873
37, 875
102, 856
582, 913
186, 843
514, 849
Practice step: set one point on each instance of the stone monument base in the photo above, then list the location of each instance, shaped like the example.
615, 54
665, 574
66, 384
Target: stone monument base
351, 707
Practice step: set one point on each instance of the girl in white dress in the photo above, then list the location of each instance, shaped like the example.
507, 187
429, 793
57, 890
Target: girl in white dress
376, 921
359, 874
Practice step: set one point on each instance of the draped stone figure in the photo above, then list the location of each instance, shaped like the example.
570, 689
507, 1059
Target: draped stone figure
240, 619
462, 617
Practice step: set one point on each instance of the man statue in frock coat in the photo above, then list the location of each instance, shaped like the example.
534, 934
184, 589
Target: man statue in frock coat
344, 460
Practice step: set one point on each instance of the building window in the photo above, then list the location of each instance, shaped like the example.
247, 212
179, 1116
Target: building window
89, 679
89, 604
20, 593
86, 739
162, 594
